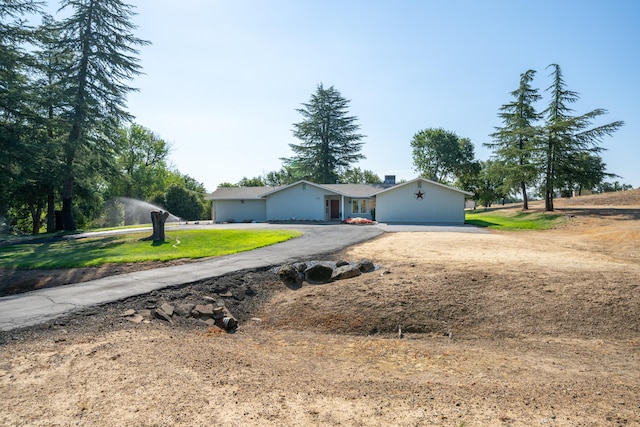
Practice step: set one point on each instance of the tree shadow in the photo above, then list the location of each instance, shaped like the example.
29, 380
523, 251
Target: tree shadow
623, 213
480, 223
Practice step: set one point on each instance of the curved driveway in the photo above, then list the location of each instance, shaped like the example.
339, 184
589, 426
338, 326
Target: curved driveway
42, 305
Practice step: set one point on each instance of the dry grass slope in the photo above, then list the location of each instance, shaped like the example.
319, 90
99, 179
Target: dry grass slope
501, 329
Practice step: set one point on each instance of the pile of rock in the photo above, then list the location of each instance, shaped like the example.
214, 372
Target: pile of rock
320, 272
209, 313
208, 302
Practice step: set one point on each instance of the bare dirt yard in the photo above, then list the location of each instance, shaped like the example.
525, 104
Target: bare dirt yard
504, 328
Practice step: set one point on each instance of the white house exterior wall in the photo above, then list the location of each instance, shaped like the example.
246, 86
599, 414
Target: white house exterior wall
300, 202
438, 205
239, 210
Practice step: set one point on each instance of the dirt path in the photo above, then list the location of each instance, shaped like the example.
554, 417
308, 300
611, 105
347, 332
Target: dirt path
507, 329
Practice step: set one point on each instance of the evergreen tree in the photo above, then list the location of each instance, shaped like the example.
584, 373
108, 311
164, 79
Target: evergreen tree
568, 137
330, 139
53, 107
516, 142
583, 171
16, 94
98, 35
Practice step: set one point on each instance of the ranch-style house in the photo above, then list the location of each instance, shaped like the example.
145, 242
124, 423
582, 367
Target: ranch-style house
419, 201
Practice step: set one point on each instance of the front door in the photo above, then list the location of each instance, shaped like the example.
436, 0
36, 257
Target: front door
335, 209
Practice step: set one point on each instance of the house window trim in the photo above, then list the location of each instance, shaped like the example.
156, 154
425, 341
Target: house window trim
359, 203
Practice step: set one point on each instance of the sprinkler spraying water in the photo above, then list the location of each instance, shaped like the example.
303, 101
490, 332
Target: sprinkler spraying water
138, 212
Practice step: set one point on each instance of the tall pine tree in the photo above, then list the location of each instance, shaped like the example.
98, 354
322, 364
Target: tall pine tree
16, 94
516, 141
99, 35
53, 106
568, 137
330, 139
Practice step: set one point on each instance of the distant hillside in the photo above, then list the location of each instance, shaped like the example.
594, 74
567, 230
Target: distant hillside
619, 198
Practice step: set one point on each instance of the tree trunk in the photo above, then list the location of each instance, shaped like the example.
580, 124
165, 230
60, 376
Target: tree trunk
158, 219
51, 211
549, 178
525, 199
67, 198
548, 200
36, 215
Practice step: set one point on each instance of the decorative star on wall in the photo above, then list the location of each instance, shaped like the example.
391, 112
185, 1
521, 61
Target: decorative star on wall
419, 195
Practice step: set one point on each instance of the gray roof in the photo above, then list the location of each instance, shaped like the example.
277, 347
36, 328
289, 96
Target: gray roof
347, 190
239, 193
448, 187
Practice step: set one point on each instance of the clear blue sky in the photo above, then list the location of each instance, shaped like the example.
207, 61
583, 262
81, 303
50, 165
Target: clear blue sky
223, 78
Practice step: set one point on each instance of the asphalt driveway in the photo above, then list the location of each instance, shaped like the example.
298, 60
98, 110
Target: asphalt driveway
42, 305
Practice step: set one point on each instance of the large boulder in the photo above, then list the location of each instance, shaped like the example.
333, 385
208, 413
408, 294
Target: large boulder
346, 272
300, 266
290, 275
365, 265
318, 273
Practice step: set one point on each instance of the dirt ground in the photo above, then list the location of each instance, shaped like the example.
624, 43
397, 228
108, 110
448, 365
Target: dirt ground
504, 328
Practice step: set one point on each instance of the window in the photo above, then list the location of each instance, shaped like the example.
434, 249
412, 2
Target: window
360, 205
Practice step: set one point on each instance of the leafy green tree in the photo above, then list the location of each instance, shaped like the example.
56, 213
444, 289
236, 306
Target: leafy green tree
199, 190
467, 175
359, 176
568, 137
330, 141
142, 162
98, 35
441, 155
251, 182
184, 203
288, 174
227, 185
516, 142
489, 186
610, 187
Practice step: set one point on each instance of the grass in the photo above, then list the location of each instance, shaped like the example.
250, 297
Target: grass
508, 220
124, 248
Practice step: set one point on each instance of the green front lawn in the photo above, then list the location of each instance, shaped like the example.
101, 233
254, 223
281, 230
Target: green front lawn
508, 220
123, 248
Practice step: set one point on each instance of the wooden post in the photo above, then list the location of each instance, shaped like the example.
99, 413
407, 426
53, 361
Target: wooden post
158, 219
